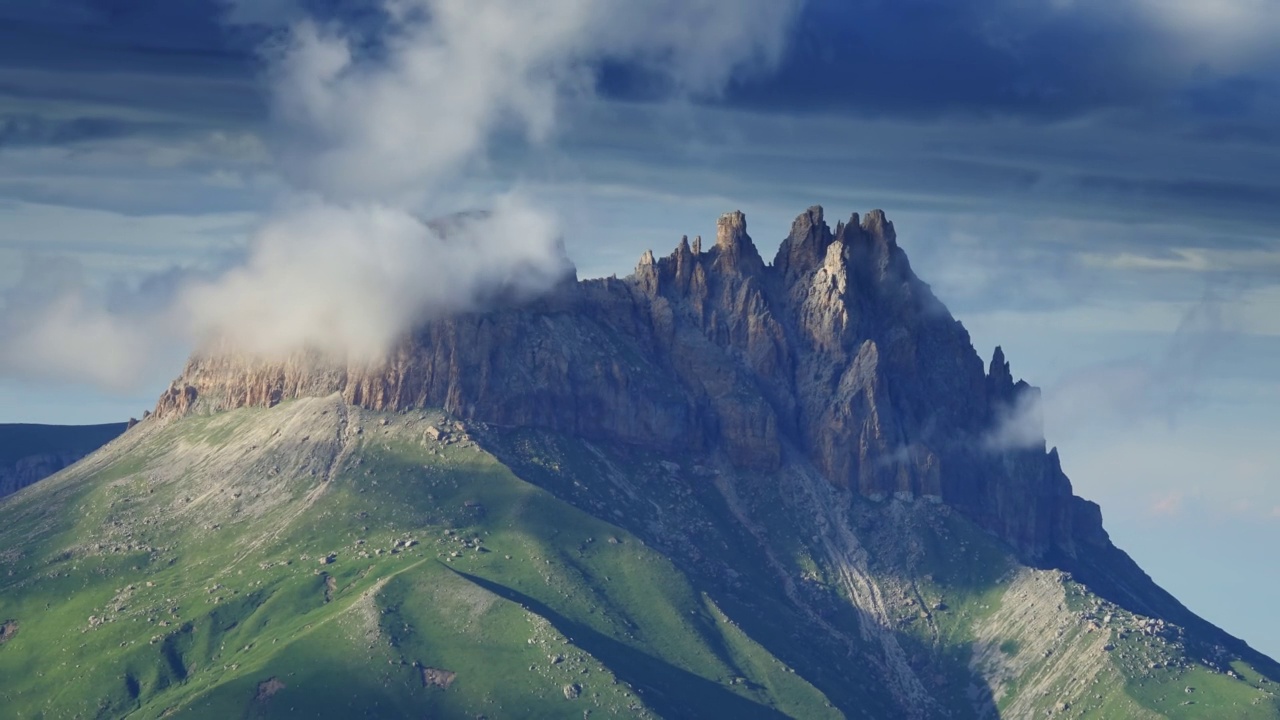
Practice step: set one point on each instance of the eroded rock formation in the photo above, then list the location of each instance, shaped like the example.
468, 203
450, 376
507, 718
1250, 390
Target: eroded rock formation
834, 354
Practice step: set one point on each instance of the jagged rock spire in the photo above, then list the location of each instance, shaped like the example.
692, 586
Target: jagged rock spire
999, 375
805, 246
731, 231
879, 228
736, 251
842, 229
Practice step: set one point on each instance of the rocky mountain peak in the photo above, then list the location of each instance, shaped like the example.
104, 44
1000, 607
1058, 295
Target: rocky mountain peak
735, 252
876, 226
835, 356
806, 245
731, 232
999, 365
999, 376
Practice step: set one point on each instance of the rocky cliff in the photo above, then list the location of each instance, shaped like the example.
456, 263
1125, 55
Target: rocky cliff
835, 355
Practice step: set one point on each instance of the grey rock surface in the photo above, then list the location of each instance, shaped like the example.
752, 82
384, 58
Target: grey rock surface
834, 354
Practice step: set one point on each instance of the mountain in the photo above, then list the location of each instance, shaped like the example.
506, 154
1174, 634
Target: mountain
31, 452
719, 487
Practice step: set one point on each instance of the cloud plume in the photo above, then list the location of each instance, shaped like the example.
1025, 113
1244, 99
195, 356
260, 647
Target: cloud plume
350, 280
379, 120
1130, 391
444, 76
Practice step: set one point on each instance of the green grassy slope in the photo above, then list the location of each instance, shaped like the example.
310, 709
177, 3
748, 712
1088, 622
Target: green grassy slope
151, 583
976, 631
314, 560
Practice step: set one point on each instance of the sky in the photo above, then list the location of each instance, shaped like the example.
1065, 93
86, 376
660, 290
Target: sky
1094, 186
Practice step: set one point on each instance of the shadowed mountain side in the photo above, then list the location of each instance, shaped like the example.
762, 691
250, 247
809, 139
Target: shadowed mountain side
670, 691
29, 453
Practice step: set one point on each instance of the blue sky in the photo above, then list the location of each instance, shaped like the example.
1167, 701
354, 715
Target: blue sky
1095, 186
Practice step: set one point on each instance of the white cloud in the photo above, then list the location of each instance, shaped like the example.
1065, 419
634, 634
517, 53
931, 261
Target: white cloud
1193, 260
1229, 33
56, 323
1020, 426
457, 71
75, 337
379, 138
370, 142
350, 279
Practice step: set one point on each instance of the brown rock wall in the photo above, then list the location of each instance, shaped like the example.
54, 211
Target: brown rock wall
836, 350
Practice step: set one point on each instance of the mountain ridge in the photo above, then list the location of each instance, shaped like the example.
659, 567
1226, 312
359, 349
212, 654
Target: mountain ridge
834, 345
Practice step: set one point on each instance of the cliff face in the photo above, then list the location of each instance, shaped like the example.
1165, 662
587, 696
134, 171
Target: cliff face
834, 354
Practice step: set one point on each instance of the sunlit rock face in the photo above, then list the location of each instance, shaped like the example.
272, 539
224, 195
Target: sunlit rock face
835, 355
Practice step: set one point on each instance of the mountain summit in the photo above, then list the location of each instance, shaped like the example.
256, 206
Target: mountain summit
718, 487
835, 355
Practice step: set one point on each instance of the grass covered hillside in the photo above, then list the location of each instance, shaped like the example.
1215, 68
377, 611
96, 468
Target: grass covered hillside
317, 560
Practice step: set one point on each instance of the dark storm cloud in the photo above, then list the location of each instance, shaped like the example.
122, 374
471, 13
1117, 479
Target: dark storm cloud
1041, 60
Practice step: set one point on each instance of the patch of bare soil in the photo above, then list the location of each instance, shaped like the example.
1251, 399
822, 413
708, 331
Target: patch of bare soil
1035, 647
7, 630
435, 677
267, 688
